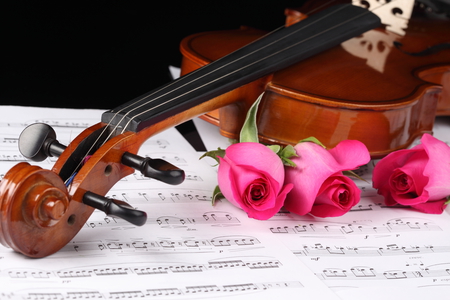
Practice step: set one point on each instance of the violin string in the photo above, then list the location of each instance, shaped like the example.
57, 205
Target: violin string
192, 74
186, 77
209, 73
246, 66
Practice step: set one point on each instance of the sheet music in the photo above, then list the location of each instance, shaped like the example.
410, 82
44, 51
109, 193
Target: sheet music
191, 250
374, 251
188, 249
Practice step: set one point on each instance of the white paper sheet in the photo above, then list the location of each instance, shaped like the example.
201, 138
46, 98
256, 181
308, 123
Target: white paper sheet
188, 249
191, 250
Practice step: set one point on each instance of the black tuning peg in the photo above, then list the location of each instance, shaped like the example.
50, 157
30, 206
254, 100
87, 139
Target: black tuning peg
154, 168
38, 141
115, 208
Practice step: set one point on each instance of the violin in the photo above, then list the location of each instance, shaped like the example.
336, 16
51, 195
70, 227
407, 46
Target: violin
377, 88
42, 210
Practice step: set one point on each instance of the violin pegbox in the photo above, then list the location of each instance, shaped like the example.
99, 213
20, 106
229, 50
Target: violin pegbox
394, 14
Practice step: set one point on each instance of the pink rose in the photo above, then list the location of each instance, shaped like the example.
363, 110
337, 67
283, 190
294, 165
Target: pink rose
320, 188
418, 177
251, 176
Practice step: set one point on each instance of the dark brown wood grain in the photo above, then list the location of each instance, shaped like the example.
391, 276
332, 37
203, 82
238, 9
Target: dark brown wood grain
336, 95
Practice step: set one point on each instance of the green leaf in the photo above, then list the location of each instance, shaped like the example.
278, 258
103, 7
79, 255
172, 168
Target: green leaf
214, 154
274, 148
313, 140
288, 162
448, 200
233, 141
249, 131
286, 153
217, 194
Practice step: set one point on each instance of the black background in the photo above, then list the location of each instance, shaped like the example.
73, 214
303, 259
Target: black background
104, 53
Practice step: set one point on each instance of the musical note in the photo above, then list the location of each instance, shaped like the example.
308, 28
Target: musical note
231, 242
215, 218
149, 196
217, 290
161, 143
163, 292
365, 207
174, 158
11, 156
363, 272
370, 273
227, 241
74, 273
127, 294
46, 295
218, 251
9, 140
202, 289
400, 225
193, 177
147, 269
84, 295
391, 226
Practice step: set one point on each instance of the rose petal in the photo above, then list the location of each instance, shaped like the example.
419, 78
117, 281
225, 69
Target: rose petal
385, 167
278, 204
314, 165
437, 168
329, 204
233, 182
428, 166
226, 181
350, 154
247, 175
401, 182
266, 194
431, 207
251, 176
413, 171
256, 156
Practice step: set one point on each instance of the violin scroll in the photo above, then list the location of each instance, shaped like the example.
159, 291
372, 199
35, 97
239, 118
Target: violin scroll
34, 203
42, 210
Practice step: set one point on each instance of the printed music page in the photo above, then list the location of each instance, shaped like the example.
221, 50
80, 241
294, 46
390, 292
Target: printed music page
188, 249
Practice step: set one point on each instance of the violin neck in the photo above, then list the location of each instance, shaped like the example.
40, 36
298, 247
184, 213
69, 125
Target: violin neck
269, 54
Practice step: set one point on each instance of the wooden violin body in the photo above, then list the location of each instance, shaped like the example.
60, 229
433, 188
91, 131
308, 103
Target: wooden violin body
366, 89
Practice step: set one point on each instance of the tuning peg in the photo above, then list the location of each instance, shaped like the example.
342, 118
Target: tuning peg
115, 208
154, 168
38, 141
